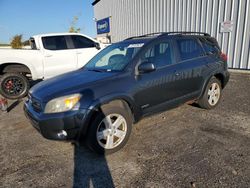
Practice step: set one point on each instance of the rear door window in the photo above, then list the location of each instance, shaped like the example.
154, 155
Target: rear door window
82, 42
54, 43
189, 49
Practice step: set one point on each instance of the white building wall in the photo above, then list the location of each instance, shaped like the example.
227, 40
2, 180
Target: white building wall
137, 17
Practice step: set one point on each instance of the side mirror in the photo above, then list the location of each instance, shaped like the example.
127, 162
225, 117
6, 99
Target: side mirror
146, 67
97, 45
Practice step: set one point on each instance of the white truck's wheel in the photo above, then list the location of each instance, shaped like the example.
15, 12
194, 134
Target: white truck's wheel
14, 86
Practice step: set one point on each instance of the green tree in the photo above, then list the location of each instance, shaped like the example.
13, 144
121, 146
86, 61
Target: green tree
16, 42
73, 28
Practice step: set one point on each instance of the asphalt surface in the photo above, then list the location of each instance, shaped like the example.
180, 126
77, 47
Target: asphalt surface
183, 147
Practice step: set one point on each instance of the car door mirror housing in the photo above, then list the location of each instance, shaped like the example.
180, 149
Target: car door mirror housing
97, 45
146, 67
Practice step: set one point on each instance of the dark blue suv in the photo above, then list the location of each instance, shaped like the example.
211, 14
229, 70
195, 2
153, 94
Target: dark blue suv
126, 81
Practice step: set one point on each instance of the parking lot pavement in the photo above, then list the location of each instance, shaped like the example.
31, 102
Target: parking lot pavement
184, 147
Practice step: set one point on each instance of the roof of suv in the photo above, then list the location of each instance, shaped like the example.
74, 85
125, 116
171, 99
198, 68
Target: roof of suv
150, 36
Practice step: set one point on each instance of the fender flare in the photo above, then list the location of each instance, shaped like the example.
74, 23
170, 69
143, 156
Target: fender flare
27, 65
207, 80
95, 105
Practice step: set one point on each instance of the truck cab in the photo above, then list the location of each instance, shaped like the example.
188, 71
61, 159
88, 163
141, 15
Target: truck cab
50, 55
65, 52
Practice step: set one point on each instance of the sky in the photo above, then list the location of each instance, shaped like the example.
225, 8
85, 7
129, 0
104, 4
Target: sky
31, 17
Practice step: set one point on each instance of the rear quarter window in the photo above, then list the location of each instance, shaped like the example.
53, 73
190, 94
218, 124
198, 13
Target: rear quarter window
210, 47
189, 49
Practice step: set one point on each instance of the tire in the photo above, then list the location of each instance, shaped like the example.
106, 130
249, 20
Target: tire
212, 94
102, 129
14, 86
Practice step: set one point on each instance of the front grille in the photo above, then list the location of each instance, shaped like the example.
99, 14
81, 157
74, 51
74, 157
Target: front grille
36, 104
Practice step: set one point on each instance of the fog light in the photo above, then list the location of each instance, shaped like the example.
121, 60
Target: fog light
62, 134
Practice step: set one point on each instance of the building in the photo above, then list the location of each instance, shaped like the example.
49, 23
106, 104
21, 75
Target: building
226, 20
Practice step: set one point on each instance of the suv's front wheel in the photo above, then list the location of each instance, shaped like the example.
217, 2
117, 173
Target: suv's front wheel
212, 95
110, 129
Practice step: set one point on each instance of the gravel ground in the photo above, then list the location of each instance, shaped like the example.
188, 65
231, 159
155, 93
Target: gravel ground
183, 147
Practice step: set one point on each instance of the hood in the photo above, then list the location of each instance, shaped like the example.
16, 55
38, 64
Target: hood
69, 83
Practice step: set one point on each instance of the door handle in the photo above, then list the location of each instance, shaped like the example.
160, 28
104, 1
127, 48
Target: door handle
176, 73
78, 52
48, 55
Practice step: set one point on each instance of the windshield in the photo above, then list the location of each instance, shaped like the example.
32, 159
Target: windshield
114, 58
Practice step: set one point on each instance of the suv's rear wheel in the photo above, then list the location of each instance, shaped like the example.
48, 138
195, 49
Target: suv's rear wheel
110, 129
212, 95
14, 86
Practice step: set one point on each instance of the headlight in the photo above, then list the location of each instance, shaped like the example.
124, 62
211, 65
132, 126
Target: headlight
62, 104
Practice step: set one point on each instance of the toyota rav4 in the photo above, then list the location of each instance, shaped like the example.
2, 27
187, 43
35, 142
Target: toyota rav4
98, 104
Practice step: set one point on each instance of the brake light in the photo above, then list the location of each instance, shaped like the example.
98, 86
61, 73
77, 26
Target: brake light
223, 56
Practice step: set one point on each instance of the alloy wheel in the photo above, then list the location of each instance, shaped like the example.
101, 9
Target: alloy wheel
13, 86
213, 94
111, 131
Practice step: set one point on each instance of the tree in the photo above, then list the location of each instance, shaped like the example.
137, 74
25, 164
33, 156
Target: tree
73, 24
16, 42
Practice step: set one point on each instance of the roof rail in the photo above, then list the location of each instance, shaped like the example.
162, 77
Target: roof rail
146, 35
169, 33
187, 32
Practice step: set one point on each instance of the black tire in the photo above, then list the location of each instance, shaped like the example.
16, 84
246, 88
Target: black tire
91, 138
14, 86
203, 102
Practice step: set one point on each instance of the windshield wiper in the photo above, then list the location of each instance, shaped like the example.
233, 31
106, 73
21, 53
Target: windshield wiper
97, 70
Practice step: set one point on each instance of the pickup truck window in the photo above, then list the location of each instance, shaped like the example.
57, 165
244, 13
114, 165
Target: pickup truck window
33, 44
54, 43
82, 42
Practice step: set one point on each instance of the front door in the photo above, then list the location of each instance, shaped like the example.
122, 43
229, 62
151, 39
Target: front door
58, 59
157, 88
85, 49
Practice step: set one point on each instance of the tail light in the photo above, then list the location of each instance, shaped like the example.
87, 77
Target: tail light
223, 56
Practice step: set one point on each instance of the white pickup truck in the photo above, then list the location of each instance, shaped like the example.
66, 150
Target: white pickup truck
50, 55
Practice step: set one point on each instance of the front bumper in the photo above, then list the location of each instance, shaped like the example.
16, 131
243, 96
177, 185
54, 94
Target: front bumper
59, 126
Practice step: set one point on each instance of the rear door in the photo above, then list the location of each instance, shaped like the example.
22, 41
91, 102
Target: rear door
190, 68
85, 49
58, 58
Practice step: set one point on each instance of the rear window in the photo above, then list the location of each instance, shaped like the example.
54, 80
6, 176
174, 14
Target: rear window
189, 49
54, 43
33, 44
210, 47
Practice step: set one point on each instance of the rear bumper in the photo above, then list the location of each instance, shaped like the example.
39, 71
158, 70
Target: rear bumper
66, 126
